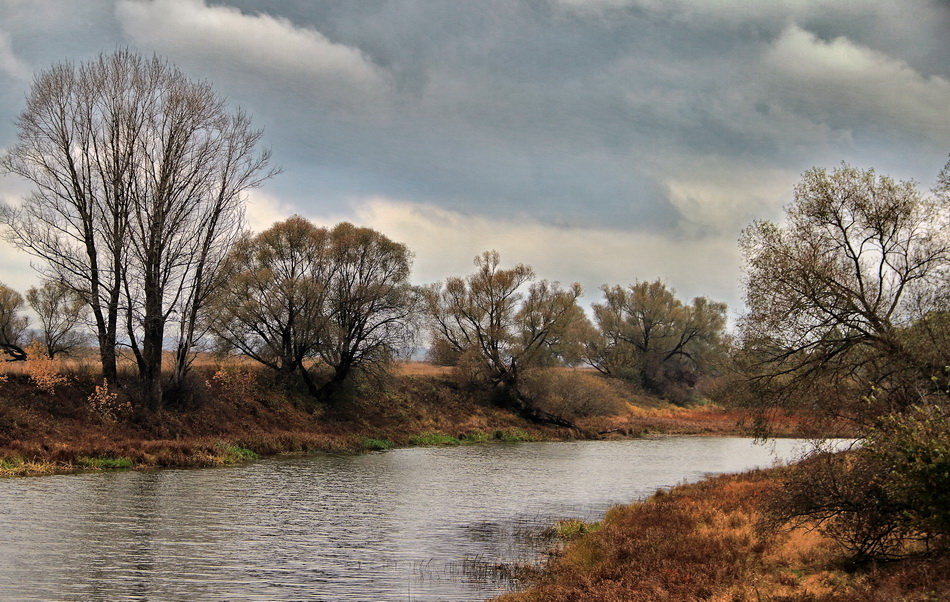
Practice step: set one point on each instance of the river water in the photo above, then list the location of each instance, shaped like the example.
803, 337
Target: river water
407, 524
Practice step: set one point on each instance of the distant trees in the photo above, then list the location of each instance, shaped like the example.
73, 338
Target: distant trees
647, 335
503, 322
138, 174
13, 325
297, 293
61, 314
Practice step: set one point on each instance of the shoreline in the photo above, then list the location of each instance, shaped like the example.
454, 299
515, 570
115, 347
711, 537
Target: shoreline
242, 416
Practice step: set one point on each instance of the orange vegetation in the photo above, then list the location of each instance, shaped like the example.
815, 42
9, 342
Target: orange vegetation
55, 413
703, 542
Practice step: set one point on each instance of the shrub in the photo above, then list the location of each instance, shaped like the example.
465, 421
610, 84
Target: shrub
886, 500
571, 394
913, 451
107, 404
43, 372
233, 382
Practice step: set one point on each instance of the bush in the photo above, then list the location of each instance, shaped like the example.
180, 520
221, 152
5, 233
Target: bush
571, 394
886, 500
913, 450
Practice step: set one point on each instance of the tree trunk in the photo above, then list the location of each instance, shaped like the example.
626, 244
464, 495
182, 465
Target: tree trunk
153, 333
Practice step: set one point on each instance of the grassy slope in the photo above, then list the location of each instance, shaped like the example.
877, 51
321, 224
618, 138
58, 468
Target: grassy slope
42, 432
700, 542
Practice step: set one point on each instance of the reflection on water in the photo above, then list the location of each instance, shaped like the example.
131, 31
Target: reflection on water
408, 524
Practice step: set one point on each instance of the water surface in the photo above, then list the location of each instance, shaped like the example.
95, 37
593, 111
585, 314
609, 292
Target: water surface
408, 524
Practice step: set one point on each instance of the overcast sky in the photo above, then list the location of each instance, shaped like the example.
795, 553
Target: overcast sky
601, 141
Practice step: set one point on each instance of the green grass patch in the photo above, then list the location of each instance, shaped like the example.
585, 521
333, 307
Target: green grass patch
101, 463
236, 453
475, 437
11, 463
513, 436
372, 444
432, 439
573, 528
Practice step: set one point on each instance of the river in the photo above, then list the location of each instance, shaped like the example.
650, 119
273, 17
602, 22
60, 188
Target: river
407, 524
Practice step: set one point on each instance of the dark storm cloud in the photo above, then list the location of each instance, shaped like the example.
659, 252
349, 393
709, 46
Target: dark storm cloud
598, 121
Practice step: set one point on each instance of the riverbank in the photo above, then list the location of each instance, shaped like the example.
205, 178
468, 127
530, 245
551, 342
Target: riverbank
703, 541
234, 414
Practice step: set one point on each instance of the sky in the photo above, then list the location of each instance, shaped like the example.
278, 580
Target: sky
599, 141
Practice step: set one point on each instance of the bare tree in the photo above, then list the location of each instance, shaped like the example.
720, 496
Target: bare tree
139, 173
505, 320
62, 314
646, 333
839, 295
76, 146
12, 324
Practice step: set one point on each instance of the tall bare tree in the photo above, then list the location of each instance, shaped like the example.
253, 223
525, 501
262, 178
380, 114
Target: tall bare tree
12, 324
62, 314
505, 320
840, 295
138, 175
76, 146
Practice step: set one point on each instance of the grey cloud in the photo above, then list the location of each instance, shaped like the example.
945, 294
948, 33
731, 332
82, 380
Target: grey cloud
680, 119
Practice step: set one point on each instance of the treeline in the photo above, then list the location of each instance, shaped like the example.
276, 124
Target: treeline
136, 216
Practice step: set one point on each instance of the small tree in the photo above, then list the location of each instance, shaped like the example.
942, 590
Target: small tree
12, 324
62, 313
505, 322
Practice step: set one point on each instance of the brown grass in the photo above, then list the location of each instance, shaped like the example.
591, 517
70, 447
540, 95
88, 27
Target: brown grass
235, 402
701, 542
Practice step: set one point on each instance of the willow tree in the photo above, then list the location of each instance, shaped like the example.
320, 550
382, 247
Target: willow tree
297, 294
647, 334
847, 298
61, 316
138, 174
505, 321
13, 324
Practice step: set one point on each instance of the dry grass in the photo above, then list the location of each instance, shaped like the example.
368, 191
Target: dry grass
236, 401
702, 542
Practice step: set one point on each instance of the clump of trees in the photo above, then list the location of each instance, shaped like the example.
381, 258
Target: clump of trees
847, 317
647, 335
502, 323
296, 294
